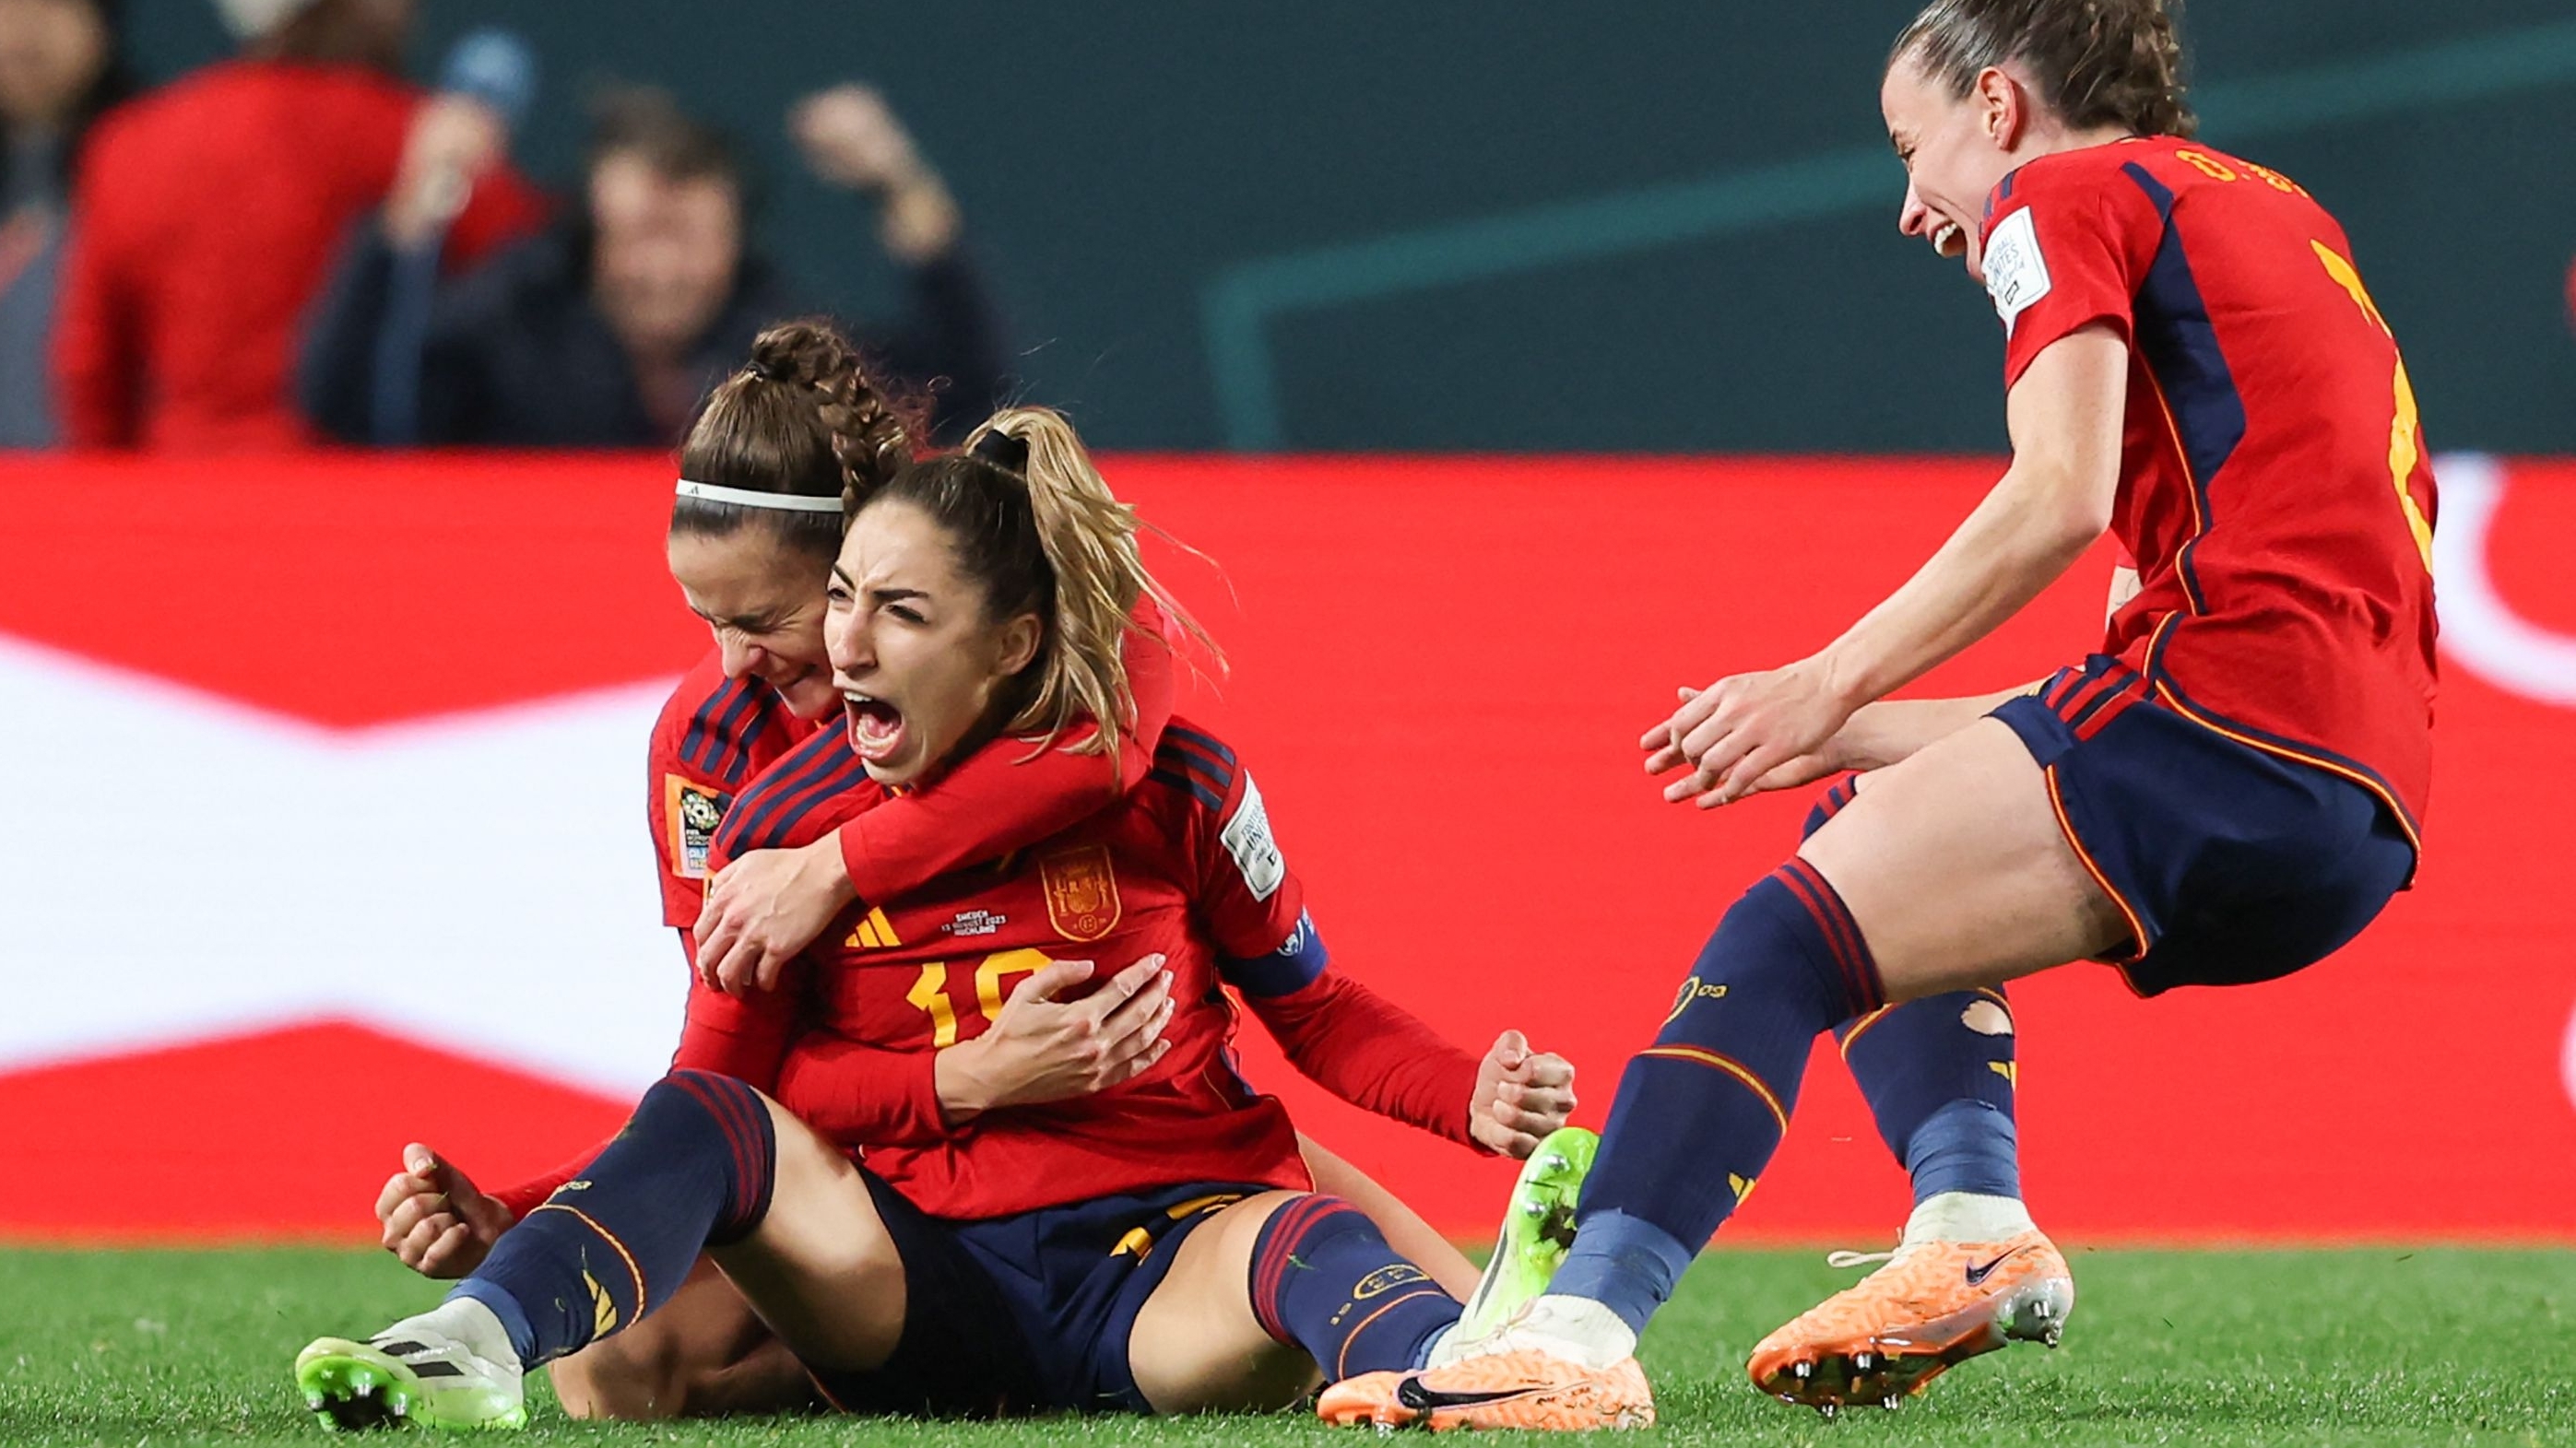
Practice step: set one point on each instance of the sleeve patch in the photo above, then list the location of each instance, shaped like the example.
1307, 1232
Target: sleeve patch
1247, 838
691, 812
2016, 272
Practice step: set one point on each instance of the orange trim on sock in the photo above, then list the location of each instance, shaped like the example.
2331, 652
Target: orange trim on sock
1863, 1024
610, 1238
1342, 1359
1730, 1067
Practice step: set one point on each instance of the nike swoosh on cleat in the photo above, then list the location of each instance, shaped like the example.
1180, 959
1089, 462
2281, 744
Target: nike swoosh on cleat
1412, 1394
1977, 1275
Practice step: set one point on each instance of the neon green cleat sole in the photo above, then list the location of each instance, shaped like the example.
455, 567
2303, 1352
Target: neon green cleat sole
1538, 1230
352, 1387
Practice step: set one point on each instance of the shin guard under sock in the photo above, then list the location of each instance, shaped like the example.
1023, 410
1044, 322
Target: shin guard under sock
1939, 1074
692, 1169
1700, 1111
1324, 1279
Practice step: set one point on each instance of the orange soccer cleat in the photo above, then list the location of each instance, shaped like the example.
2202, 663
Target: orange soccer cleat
1932, 1305
1522, 1389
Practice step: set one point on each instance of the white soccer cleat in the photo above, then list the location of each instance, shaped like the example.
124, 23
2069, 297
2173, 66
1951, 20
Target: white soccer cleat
435, 1369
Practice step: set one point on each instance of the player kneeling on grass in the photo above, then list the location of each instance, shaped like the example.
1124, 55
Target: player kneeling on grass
1133, 1233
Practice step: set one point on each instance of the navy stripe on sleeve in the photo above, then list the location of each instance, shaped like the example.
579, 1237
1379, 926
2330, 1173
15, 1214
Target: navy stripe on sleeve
1290, 968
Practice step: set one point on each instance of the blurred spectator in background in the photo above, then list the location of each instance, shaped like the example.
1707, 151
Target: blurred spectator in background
206, 217
61, 66
607, 331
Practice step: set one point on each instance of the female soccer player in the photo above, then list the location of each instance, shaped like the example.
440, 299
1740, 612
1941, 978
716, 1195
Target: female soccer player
2226, 793
753, 536
1133, 1235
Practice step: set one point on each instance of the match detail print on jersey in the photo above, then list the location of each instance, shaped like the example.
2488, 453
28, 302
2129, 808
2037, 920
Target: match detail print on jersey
2016, 272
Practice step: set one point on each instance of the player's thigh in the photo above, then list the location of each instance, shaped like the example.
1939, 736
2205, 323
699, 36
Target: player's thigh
821, 1269
1410, 1236
1956, 869
705, 1353
1196, 1346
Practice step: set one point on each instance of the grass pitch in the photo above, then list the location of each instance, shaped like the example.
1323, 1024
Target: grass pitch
2383, 1346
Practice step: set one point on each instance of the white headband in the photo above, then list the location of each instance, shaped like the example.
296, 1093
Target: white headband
744, 497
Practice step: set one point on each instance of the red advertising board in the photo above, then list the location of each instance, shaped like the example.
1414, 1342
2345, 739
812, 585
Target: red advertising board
333, 839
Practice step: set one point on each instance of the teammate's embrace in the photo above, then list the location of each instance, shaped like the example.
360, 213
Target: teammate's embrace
1133, 1231
2226, 793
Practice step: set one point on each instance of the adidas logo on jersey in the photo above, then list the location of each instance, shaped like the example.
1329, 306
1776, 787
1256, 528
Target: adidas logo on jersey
874, 933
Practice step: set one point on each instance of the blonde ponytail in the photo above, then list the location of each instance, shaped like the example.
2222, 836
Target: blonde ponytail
1033, 521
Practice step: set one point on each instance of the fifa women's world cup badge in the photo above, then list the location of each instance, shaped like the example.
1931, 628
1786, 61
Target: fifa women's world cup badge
1081, 892
693, 812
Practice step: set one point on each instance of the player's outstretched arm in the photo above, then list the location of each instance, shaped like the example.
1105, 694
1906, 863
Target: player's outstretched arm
770, 904
2051, 505
1376, 1055
1875, 736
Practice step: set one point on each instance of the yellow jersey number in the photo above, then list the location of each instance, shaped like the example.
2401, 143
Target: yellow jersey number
2405, 429
929, 991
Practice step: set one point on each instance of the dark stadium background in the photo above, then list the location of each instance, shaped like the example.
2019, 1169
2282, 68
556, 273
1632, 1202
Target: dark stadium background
1153, 185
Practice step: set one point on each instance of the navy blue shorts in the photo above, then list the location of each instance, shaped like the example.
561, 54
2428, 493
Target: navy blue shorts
2233, 865
1024, 1314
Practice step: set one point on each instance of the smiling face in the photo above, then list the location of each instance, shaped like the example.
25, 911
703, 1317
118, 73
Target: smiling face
764, 600
1955, 149
920, 666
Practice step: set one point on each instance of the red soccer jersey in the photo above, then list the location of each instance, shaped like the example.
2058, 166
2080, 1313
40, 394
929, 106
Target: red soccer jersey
1185, 865
715, 735
2274, 487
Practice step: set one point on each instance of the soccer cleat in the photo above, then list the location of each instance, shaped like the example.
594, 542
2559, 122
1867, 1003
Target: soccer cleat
1933, 1305
408, 1374
1521, 1389
1538, 1230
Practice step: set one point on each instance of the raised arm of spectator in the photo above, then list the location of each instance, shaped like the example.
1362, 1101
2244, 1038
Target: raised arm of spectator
454, 200
951, 330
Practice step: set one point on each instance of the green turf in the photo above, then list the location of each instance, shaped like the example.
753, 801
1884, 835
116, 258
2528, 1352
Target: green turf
2362, 1347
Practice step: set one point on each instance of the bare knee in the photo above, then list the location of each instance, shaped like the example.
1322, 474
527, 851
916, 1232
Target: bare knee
1197, 1345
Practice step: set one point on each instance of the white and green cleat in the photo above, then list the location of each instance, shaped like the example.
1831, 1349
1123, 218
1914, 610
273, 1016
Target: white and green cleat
413, 1372
1538, 1230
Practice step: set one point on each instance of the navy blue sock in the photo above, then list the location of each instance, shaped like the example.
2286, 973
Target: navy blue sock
1324, 1279
1700, 1111
692, 1169
1939, 1075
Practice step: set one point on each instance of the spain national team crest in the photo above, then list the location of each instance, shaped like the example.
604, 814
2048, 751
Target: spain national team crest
1081, 892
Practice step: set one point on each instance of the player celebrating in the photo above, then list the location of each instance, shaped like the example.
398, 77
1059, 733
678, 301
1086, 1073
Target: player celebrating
2226, 793
754, 532
1134, 1234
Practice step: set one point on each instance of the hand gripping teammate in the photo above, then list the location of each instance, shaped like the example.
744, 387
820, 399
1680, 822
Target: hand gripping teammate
1135, 1234
2226, 793
752, 540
